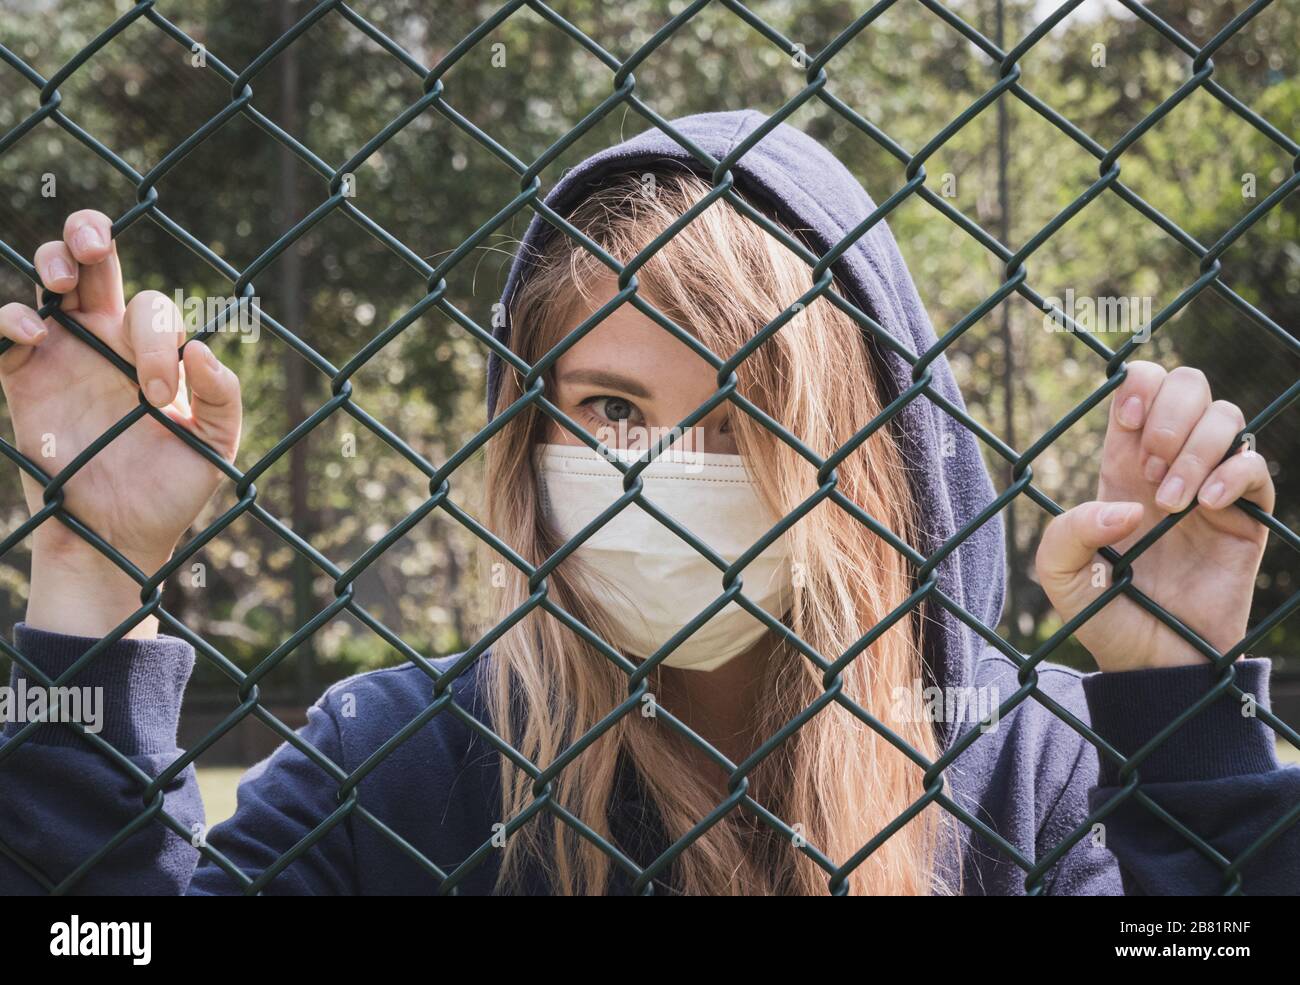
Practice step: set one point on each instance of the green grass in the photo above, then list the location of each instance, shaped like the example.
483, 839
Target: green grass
217, 785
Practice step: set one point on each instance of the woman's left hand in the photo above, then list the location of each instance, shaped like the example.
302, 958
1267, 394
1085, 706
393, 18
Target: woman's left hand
1164, 442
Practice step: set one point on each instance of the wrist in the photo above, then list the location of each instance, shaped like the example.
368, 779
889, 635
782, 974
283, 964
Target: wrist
77, 591
1160, 648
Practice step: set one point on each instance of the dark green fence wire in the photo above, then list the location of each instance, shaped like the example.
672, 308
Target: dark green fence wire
623, 95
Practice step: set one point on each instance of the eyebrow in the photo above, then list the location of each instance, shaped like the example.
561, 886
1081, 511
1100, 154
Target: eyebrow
600, 377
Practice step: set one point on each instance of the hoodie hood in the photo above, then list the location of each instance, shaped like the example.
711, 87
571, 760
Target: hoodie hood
794, 178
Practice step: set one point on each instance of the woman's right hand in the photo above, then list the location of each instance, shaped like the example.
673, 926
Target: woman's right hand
144, 489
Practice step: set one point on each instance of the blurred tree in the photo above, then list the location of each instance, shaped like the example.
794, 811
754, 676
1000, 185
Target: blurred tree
525, 84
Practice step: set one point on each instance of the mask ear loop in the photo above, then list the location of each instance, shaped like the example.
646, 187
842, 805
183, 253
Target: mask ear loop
543, 493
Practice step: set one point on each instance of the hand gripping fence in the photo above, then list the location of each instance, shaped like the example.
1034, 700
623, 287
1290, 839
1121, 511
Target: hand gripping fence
623, 94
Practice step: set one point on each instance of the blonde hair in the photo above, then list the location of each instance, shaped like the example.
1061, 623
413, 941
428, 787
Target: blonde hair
721, 278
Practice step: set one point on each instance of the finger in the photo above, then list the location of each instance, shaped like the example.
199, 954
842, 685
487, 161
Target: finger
22, 324
1133, 398
182, 402
217, 412
1129, 407
1071, 541
25, 327
56, 267
1184, 395
1200, 455
89, 238
1243, 476
154, 332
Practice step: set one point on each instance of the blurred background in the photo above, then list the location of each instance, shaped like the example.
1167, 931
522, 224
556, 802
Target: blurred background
525, 84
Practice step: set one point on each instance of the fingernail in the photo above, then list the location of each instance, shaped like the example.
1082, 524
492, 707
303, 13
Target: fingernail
156, 391
1170, 494
88, 238
211, 358
1115, 514
1130, 413
1212, 493
59, 269
1155, 469
32, 328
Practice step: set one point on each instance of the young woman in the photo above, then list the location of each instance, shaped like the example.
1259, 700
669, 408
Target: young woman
616, 777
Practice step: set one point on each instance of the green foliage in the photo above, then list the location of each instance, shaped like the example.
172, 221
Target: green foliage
526, 84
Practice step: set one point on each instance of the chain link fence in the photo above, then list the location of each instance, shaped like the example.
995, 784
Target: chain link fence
818, 69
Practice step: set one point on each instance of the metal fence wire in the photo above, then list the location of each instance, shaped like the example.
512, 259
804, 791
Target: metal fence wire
623, 94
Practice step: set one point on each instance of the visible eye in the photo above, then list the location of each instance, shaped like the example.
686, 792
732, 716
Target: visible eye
613, 409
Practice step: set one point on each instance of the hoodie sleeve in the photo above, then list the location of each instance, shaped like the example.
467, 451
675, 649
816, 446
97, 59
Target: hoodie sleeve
64, 800
1218, 775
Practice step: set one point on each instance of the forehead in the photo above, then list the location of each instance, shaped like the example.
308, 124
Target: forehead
627, 339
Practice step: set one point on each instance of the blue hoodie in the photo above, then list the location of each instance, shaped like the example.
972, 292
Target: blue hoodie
424, 817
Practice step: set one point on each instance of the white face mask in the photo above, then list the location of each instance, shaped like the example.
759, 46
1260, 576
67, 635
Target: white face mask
648, 581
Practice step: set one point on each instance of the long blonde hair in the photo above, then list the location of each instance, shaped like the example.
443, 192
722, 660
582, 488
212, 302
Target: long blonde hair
721, 278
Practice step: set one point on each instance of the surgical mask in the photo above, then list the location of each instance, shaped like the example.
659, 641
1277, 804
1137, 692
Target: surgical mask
650, 582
